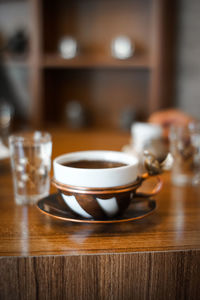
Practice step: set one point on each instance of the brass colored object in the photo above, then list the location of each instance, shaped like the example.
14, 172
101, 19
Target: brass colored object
153, 166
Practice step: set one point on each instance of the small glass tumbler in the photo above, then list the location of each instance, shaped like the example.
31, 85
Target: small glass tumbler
31, 164
185, 148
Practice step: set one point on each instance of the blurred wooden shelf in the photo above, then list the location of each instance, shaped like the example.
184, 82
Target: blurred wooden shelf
104, 86
110, 90
91, 61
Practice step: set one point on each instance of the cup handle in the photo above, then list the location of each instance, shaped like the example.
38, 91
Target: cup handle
155, 190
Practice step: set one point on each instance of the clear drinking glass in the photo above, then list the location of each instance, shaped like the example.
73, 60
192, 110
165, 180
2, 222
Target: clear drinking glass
31, 163
185, 148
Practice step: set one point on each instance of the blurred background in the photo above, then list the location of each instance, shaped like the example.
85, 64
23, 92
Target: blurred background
98, 64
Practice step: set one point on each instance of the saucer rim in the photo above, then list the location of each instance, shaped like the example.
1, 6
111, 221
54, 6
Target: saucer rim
78, 219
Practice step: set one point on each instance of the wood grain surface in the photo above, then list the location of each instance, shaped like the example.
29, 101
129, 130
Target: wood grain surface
157, 257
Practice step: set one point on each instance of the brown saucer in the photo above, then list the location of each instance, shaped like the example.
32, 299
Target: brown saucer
138, 209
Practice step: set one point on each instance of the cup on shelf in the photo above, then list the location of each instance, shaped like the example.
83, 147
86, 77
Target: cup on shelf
185, 148
68, 47
122, 47
31, 163
76, 116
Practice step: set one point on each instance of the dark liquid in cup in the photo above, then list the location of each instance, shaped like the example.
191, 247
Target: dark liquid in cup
94, 164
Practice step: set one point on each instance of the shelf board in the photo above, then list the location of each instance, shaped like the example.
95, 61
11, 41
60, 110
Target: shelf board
55, 61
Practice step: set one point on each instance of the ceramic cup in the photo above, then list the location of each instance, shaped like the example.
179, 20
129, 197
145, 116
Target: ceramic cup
98, 192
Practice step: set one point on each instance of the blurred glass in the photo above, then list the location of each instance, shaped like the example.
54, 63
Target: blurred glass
31, 164
185, 148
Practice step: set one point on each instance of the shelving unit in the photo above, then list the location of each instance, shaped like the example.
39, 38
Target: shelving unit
105, 86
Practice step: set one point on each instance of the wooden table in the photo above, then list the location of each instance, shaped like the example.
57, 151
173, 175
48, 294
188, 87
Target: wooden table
157, 257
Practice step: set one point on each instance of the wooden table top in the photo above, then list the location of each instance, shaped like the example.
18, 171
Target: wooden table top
24, 231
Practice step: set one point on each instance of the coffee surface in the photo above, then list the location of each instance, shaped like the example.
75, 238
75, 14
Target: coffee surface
94, 164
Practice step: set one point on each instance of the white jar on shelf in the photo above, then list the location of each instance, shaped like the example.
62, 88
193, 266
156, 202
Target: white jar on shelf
122, 47
68, 47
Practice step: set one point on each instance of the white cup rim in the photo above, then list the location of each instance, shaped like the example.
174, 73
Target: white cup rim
97, 155
84, 177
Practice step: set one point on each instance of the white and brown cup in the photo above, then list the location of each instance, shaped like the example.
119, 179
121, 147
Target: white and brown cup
98, 184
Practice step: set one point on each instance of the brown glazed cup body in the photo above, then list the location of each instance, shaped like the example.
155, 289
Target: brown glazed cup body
102, 203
